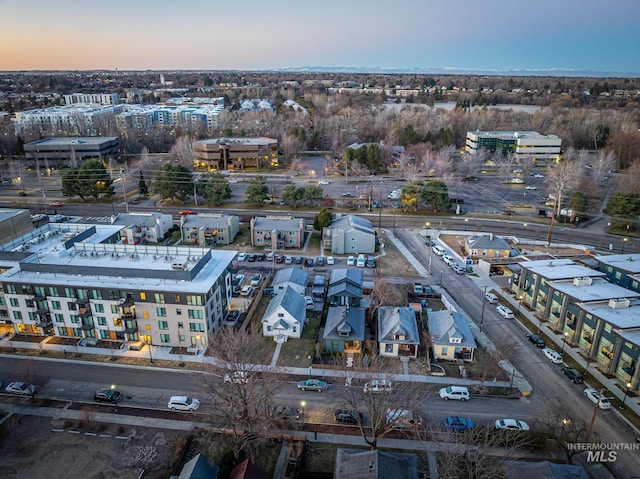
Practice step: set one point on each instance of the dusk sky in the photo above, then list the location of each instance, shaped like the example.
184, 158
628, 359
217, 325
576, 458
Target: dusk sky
600, 35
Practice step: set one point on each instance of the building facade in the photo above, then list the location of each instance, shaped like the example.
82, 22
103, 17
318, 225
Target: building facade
526, 145
277, 232
209, 229
236, 154
142, 228
349, 234
67, 152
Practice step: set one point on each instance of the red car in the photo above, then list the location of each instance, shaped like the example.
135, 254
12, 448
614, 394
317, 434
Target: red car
279, 258
186, 212
56, 204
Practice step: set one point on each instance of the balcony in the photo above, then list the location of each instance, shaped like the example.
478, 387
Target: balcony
84, 313
130, 327
86, 326
125, 302
80, 303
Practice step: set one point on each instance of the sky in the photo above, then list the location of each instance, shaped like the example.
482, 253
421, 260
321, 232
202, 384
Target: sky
595, 35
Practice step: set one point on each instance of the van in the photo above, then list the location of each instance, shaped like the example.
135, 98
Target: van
492, 298
573, 375
439, 250
183, 403
360, 263
455, 392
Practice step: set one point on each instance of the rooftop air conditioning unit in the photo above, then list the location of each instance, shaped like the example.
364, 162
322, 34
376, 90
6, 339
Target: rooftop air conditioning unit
619, 303
583, 281
178, 265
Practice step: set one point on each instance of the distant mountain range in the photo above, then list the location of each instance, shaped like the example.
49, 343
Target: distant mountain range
554, 72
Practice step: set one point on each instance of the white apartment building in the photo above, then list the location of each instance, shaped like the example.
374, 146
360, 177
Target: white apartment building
80, 282
80, 120
91, 99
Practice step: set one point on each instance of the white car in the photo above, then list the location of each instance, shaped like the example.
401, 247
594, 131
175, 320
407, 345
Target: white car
553, 356
517, 170
323, 182
351, 260
237, 377
183, 403
242, 256
596, 398
21, 389
512, 425
518, 181
505, 312
255, 280
288, 260
461, 393
308, 302
448, 259
246, 290
457, 268
330, 260
538, 175
529, 187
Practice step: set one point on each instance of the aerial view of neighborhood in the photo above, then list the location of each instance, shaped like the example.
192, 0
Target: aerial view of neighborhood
318, 272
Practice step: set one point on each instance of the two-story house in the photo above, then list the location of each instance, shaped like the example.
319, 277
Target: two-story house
344, 330
141, 228
285, 316
451, 337
398, 331
292, 277
345, 287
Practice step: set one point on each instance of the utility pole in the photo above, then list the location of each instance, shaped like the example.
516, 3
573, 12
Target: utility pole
124, 189
482, 313
595, 412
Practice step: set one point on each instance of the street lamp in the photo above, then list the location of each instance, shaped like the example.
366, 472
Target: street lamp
148, 341
624, 242
302, 411
519, 302
310, 366
626, 393
115, 398
465, 223
524, 225
565, 422
441, 278
484, 293
566, 334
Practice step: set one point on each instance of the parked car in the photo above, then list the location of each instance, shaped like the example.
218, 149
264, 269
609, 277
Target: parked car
308, 300
553, 356
536, 339
58, 204
439, 250
455, 392
183, 403
448, 259
233, 315
596, 398
457, 268
330, 260
505, 312
371, 262
345, 416
21, 389
242, 256
255, 281
320, 261
348, 195
261, 257
529, 187
323, 182
312, 385
403, 418
518, 181
538, 175
246, 290
239, 377
183, 212
458, 423
107, 395
269, 257
378, 386
288, 260
299, 259
573, 375
279, 258
285, 413
309, 263
361, 261
252, 258
351, 260
492, 298
238, 280
512, 425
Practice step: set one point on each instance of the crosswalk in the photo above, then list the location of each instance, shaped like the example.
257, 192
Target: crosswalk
97, 219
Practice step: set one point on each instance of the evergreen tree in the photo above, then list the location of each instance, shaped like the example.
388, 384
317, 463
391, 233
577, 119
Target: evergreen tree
257, 191
322, 219
142, 185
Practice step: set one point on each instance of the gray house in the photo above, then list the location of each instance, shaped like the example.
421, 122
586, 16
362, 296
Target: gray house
451, 336
296, 278
209, 229
349, 234
398, 331
487, 245
285, 316
345, 287
344, 330
376, 464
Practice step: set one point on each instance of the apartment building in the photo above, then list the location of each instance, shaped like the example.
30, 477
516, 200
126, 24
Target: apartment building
235, 153
349, 234
65, 120
192, 116
209, 229
91, 99
78, 281
277, 232
527, 145
141, 228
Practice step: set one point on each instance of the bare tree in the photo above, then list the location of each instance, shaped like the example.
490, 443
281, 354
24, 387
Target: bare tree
565, 427
605, 161
183, 150
472, 162
385, 294
292, 145
238, 386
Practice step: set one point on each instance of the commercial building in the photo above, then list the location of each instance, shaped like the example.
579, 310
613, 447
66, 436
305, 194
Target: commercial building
66, 152
277, 232
14, 223
78, 281
235, 153
527, 145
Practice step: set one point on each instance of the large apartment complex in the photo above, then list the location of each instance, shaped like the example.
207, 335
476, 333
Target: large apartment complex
79, 281
526, 145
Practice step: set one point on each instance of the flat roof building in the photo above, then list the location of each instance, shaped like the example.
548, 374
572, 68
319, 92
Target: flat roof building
527, 145
235, 153
65, 152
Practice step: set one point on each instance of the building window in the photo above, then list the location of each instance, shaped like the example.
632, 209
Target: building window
180, 325
163, 325
181, 338
74, 319
196, 327
96, 294
194, 313
145, 314
194, 300
15, 303
102, 321
62, 331
161, 312
269, 328
388, 348
143, 296
59, 318
159, 298
179, 311
165, 338
176, 298
98, 308
445, 351
104, 334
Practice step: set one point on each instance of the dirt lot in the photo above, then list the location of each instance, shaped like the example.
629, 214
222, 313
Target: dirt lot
30, 448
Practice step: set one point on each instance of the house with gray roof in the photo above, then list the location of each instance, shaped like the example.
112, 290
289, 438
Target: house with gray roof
344, 330
198, 468
349, 235
345, 287
375, 464
451, 337
277, 232
209, 229
285, 316
141, 228
488, 245
542, 470
398, 331
293, 277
